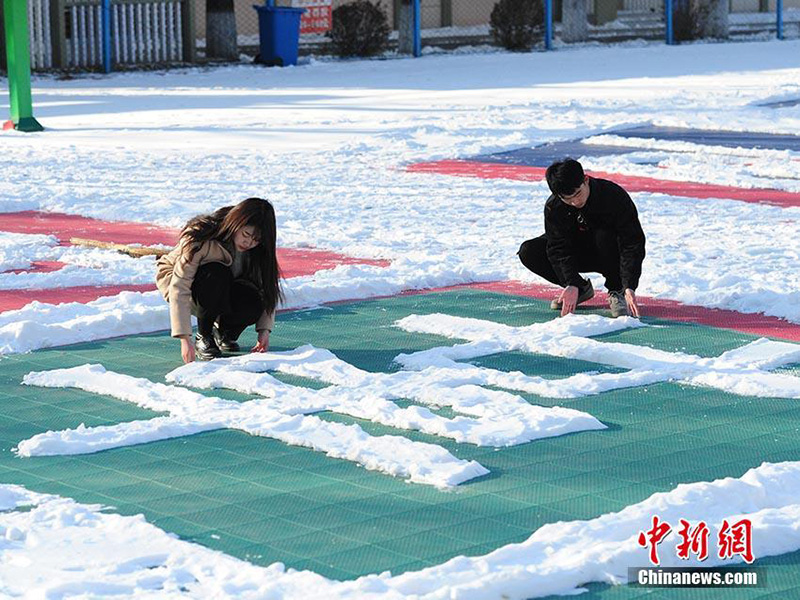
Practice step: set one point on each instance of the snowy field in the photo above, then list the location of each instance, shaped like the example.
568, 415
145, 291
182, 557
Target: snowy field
328, 144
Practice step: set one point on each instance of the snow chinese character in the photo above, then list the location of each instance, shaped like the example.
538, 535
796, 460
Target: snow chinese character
694, 540
653, 537
736, 539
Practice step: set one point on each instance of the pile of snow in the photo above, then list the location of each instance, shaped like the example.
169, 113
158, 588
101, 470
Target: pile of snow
742, 371
191, 412
60, 547
40, 325
485, 417
19, 250
433, 377
83, 266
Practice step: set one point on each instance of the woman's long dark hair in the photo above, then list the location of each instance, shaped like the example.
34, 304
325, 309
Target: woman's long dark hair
223, 223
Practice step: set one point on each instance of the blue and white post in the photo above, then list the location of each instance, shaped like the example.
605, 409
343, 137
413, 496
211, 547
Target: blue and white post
779, 18
105, 11
417, 29
668, 15
548, 24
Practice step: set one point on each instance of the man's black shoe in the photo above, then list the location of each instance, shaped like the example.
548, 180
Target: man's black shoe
617, 303
206, 348
224, 342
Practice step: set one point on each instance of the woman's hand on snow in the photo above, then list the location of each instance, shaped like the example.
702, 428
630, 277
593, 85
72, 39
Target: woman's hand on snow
263, 341
187, 349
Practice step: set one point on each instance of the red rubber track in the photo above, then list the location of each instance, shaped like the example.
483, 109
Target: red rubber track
306, 262
294, 262
40, 266
14, 299
65, 227
467, 168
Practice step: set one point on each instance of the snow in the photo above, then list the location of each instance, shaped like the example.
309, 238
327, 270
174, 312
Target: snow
328, 143
41, 325
486, 417
18, 250
60, 548
558, 558
740, 371
192, 413
84, 266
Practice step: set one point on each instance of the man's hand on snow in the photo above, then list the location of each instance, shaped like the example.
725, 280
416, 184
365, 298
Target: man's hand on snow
569, 300
630, 300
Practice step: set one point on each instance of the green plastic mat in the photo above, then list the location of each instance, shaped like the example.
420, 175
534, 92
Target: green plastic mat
265, 501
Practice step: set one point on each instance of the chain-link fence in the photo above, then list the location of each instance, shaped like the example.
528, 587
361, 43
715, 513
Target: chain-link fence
444, 24
449, 24
70, 34
757, 17
67, 33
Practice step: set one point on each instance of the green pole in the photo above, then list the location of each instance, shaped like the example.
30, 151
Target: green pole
19, 66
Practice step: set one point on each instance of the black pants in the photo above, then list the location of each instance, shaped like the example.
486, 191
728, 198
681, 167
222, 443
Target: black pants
597, 252
217, 297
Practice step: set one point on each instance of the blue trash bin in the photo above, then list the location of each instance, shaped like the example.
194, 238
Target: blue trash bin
279, 34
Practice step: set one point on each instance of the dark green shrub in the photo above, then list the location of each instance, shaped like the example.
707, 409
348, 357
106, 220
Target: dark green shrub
359, 28
517, 24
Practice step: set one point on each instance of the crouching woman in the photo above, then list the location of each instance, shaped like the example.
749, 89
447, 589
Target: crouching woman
224, 271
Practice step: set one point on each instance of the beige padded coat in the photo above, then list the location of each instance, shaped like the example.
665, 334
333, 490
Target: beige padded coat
174, 277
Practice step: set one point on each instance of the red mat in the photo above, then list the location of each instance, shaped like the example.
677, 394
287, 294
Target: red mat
14, 299
68, 226
294, 263
466, 168
40, 266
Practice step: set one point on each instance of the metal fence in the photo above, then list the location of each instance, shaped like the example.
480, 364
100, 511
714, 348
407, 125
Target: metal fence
449, 24
39, 31
147, 32
76, 34
70, 33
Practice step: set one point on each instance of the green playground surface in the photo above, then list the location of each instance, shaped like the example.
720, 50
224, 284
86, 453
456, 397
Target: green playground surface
265, 501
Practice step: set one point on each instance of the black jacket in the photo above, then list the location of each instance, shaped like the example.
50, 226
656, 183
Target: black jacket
609, 207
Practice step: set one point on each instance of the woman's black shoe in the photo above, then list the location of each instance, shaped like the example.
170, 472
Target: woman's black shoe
206, 348
225, 343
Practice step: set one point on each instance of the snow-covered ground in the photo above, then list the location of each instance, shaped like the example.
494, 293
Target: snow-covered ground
59, 548
328, 143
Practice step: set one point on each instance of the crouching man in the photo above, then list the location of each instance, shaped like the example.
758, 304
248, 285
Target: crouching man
590, 225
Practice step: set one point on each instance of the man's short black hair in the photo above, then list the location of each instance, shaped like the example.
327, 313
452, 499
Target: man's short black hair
564, 177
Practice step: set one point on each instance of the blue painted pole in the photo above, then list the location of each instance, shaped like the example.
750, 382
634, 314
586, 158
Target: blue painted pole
106, 16
417, 29
668, 15
548, 24
779, 23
